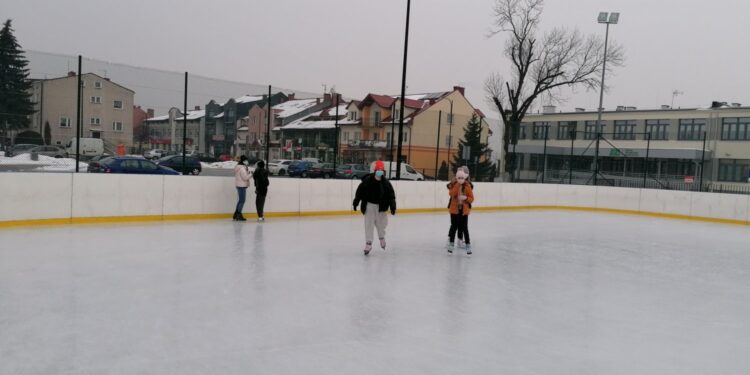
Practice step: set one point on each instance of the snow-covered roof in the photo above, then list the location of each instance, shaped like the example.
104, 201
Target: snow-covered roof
158, 118
307, 124
248, 99
193, 115
220, 115
293, 107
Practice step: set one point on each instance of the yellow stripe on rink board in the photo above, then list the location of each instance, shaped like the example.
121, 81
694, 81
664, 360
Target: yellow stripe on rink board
154, 218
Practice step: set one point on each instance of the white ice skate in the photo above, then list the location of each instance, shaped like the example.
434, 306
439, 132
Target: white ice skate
382, 243
368, 247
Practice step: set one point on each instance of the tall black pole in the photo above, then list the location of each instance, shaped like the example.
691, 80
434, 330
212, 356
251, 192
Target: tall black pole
544, 158
336, 143
450, 137
570, 162
78, 116
437, 147
601, 108
393, 137
403, 93
645, 167
268, 124
184, 125
703, 159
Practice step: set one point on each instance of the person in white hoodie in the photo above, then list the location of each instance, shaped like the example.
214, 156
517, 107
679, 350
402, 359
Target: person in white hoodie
241, 181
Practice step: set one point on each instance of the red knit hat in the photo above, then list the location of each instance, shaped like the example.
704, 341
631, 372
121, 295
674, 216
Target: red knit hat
379, 166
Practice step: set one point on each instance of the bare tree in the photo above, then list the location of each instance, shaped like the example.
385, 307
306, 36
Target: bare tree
540, 66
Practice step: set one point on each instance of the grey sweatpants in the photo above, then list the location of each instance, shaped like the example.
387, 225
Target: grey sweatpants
375, 218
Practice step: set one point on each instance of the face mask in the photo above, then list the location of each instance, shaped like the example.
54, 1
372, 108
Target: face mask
245, 162
379, 173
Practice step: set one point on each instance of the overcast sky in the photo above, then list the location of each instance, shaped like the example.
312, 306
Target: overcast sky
697, 47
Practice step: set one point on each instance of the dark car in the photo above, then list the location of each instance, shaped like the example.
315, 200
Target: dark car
324, 170
192, 165
299, 168
129, 165
18, 149
353, 171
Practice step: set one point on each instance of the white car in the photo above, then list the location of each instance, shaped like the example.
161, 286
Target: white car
407, 171
155, 154
279, 167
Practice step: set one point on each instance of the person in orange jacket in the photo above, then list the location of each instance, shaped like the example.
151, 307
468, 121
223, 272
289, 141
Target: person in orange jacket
459, 232
462, 196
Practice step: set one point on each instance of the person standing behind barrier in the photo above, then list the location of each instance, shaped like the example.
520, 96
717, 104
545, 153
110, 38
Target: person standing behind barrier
260, 177
241, 181
462, 196
376, 194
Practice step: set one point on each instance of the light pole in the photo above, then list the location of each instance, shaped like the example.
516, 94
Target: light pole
607, 19
403, 94
450, 136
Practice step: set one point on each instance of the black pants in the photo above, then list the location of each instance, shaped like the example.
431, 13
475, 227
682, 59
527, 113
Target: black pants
260, 201
459, 223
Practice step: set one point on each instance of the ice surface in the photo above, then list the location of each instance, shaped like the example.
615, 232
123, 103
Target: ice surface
546, 292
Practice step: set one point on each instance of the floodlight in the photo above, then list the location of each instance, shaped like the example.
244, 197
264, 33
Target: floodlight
613, 18
603, 17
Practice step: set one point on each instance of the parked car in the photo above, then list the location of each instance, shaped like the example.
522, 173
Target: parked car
354, 171
192, 164
207, 158
155, 154
324, 170
225, 157
21, 148
407, 171
51, 151
299, 168
89, 147
97, 164
279, 167
129, 165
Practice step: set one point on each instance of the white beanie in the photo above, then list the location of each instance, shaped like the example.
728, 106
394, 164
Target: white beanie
466, 170
460, 173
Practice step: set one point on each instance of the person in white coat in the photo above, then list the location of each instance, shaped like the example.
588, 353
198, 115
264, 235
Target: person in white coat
241, 182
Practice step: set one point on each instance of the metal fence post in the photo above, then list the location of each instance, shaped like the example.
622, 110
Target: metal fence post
645, 163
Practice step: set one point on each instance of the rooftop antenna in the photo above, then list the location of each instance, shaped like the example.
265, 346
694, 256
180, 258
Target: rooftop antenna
675, 93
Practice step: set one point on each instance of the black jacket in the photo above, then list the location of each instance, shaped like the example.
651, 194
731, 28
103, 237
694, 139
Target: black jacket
260, 178
377, 192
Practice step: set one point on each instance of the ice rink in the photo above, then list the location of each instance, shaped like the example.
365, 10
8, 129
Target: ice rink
546, 292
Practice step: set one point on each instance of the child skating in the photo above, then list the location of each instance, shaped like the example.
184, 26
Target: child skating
461, 197
459, 231
377, 196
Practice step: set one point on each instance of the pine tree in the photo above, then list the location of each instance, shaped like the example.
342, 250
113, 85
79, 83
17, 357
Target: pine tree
480, 166
15, 87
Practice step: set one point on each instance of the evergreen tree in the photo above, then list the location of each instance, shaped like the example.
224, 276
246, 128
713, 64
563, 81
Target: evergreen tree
479, 164
15, 87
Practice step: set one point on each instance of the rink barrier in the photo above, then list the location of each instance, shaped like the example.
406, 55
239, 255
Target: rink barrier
43, 199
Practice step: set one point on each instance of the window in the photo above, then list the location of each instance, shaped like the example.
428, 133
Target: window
566, 129
117, 104
117, 126
405, 137
540, 130
97, 84
129, 164
96, 99
346, 136
691, 129
734, 170
147, 165
64, 122
659, 130
522, 131
356, 136
450, 119
375, 136
396, 113
96, 121
591, 129
624, 130
735, 129
448, 139
376, 118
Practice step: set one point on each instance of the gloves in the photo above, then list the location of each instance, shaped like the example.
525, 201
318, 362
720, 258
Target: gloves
354, 207
393, 211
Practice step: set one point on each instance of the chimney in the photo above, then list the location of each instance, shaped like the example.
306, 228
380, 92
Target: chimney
549, 109
327, 98
150, 112
317, 100
291, 96
460, 89
71, 74
197, 108
716, 104
580, 109
665, 106
106, 79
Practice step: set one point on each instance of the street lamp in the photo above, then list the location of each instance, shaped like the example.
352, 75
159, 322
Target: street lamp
607, 19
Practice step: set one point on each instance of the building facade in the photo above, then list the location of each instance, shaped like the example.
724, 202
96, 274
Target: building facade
663, 144
107, 109
165, 132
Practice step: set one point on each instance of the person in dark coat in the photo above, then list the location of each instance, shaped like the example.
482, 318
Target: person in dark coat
260, 178
377, 196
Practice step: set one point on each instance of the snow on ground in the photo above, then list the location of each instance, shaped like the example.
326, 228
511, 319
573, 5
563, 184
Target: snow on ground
45, 163
220, 164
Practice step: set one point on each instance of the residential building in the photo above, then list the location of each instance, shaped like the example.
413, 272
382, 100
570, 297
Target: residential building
664, 144
107, 111
314, 136
222, 121
165, 132
140, 133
